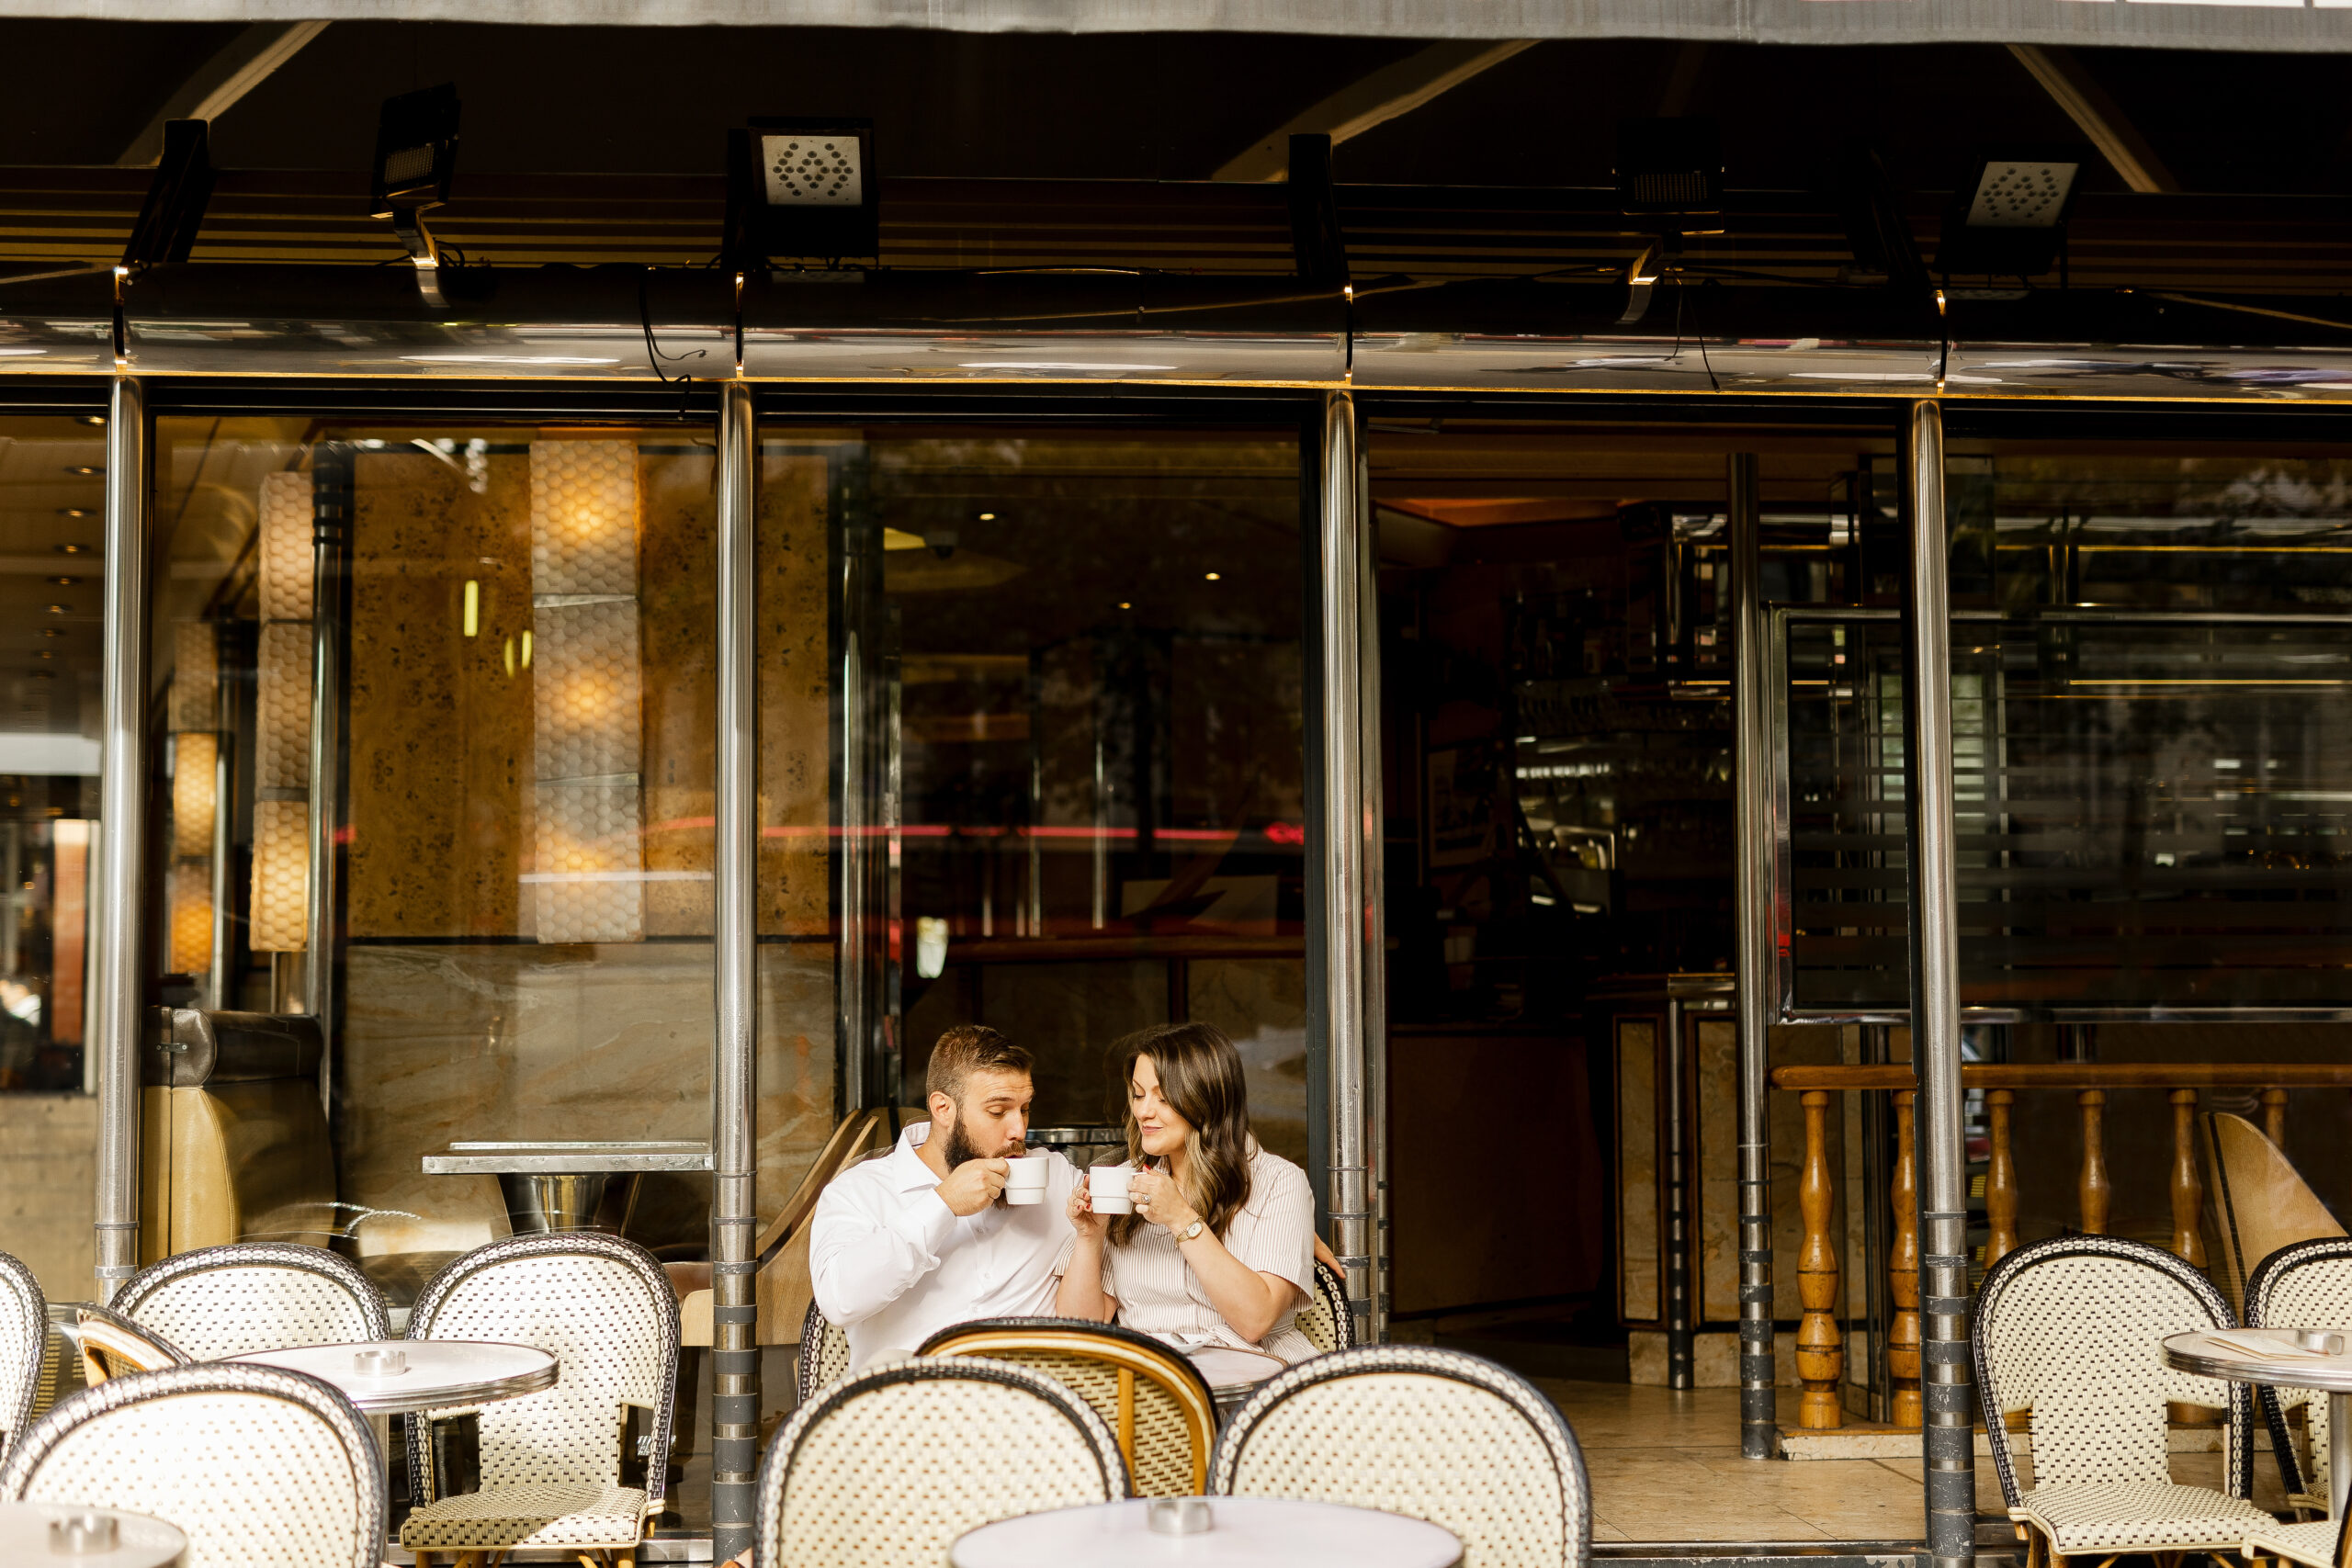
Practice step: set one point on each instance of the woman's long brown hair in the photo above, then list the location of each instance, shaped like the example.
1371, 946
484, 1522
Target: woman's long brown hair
1201, 1078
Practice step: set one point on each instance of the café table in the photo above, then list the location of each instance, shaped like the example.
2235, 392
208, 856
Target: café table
1233, 1375
2207, 1353
439, 1374
138, 1541
1243, 1532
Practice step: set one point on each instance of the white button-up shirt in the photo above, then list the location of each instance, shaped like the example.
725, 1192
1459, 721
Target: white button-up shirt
893, 1264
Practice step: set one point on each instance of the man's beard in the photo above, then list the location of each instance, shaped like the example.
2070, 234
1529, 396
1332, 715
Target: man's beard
959, 1147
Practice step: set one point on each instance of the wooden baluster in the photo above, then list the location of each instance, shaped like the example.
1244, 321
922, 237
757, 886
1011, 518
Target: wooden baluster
1903, 1270
2273, 1116
1820, 1352
2093, 1189
2188, 1186
2000, 1179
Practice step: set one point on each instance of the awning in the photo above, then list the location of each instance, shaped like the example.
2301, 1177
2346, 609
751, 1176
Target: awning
2264, 24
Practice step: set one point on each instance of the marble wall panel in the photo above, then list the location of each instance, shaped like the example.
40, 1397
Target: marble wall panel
1261, 1004
677, 593
440, 722
48, 1175
1641, 1294
796, 703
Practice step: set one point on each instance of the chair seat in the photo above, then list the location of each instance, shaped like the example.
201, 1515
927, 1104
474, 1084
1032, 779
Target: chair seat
2313, 1543
2140, 1515
533, 1514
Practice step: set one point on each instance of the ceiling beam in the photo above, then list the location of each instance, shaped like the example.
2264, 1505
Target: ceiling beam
2074, 89
214, 87
1376, 99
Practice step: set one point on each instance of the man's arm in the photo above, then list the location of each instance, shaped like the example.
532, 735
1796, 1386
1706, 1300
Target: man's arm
864, 1255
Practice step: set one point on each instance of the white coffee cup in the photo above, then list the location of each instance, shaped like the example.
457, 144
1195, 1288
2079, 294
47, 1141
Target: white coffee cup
1108, 1184
1024, 1180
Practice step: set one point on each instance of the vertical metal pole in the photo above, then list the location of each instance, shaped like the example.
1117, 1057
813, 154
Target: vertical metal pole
1374, 815
1751, 765
735, 1358
225, 811
331, 504
856, 1021
120, 925
1680, 1351
1343, 873
1948, 1435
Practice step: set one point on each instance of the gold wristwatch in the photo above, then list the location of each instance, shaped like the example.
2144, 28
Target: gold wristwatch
1189, 1231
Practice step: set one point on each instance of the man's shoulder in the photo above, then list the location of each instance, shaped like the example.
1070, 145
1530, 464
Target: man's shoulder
865, 1183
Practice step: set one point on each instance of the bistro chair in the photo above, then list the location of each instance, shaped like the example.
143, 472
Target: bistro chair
1326, 1318
883, 1469
2317, 1544
111, 1344
2068, 1328
24, 1343
550, 1461
232, 1300
2306, 1285
824, 1353
2261, 1203
1438, 1434
260, 1468
1155, 1400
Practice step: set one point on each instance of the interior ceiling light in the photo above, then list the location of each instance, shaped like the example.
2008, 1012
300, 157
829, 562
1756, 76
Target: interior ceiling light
73, 549
83, 468
2008, 217
416, 158
802, 190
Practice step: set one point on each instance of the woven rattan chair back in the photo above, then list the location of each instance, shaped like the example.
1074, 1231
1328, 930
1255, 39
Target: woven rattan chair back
1155, 1401
231, 1301
24, 1341
883, 1469
260, 1468
2305, 1284
824, 1353
1439, 1435
602, 1307
1326, 1319
2068, 1328
112, 1345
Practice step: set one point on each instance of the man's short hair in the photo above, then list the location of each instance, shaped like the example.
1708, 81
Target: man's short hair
968, 1048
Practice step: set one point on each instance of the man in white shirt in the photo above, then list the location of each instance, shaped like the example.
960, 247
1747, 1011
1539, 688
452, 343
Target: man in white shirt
904, 1245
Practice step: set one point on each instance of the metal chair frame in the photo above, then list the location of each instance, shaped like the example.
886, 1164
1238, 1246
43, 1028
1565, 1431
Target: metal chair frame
1132, 1355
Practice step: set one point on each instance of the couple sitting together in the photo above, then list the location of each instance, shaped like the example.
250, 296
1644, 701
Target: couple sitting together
1220, 1250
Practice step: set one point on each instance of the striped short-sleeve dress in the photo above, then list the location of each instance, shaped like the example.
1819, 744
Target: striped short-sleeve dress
1273, 1233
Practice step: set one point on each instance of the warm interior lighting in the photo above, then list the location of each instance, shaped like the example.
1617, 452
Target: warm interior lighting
281, 874
194, 756
473, 607
191, 927
899, 540
282, 717
1211, 577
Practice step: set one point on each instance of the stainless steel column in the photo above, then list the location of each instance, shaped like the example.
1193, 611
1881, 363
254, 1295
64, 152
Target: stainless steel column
1374, 817
1752, 890
120, 927
331, 502
224, 814
734, 1224
1347, 906
1947, 1436
1681, 1330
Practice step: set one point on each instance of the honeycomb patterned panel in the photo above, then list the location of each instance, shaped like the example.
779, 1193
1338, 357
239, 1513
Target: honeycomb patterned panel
194, 755
191, 917
583, 517
195, 676
587, 691
586, 887
285, 547
282, 716
281, 874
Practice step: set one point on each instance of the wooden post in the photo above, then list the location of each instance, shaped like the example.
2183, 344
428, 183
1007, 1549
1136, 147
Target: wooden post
2093, 1189
2188, 1186
1820, 1351
2000, 1179
2274, 1117
1903, 1269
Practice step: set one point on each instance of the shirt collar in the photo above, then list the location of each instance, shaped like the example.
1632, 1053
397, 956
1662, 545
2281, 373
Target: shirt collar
907, 1169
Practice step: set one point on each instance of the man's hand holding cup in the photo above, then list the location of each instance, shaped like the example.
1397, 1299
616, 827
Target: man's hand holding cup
973, 1185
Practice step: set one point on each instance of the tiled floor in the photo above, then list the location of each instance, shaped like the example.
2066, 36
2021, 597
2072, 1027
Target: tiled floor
1666, 1467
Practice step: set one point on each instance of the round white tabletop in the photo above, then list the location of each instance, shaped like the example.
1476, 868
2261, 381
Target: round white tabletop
1244, 1532
2214, 1355
139, 1542
440, 1372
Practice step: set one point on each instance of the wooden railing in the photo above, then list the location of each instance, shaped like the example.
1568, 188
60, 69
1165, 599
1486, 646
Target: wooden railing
1820, 1346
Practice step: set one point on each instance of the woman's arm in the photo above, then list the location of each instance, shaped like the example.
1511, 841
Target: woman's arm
1251, 1302
1080, 1292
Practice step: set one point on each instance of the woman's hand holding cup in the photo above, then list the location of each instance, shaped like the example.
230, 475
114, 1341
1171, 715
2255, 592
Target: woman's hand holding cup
1082, 1217
1160, 1200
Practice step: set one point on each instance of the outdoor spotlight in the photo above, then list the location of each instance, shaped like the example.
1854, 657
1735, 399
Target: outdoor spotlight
176, 198
416, 157
1671, 171
804, 189
2007, 219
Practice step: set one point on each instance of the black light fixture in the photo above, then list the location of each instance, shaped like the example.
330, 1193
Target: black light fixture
1670, 172
2008, 217
176, 198
416, 159
802, 190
